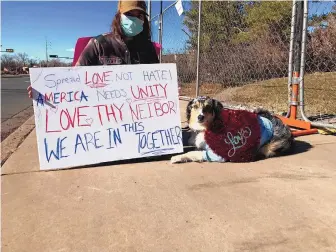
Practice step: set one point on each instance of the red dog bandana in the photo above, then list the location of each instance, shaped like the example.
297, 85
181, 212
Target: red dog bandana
235, 136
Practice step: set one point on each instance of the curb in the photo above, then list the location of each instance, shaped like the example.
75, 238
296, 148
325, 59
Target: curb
14, 140
14, 122
14, 76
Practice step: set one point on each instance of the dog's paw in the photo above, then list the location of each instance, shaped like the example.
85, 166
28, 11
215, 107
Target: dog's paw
177, 159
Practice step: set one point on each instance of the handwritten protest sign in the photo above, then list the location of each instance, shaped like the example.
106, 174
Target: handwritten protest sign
93, 114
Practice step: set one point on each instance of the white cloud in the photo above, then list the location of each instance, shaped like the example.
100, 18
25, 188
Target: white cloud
70, 50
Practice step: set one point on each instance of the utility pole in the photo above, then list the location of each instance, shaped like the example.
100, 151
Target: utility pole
47, 45
160, 29
47, 51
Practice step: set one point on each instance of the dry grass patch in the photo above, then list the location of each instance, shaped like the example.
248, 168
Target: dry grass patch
320, 93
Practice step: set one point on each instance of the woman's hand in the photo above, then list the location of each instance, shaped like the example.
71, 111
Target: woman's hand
30, 91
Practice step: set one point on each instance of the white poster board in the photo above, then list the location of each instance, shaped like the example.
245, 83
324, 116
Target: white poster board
93, 114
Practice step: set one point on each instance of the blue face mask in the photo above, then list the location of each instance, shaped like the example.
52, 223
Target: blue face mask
131, 26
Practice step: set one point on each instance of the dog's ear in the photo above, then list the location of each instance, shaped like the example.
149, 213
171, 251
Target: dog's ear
217, 107
188, 110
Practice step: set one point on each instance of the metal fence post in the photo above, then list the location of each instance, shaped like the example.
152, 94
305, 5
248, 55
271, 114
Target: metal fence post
160, 35
302, 70
292, 120
198, 46
149, 9
291, 49
297, 99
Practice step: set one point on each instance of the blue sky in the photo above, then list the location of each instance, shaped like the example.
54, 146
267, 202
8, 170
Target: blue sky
26, 24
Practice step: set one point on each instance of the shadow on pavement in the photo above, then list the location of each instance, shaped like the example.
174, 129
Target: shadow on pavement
136, 160
299, 147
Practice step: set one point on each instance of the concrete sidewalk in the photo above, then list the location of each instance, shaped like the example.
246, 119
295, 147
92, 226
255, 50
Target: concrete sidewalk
279, 204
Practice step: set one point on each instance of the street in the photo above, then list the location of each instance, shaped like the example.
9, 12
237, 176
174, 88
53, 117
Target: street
14, 96
16, 107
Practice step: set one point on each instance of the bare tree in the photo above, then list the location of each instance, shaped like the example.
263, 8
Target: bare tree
56, 63
8, 62
43, 63
22, 58
32, 62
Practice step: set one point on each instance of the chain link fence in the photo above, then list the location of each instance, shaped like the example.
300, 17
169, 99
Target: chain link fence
244, 58
320, 69
244, 53
155, 23
176, 46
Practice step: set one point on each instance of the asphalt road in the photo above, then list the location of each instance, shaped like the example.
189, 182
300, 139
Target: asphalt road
14, 97
16, 107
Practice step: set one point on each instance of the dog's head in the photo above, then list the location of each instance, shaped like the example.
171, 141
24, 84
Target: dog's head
202, 111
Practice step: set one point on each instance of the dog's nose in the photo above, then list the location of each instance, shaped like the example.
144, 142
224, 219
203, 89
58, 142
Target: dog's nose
200, 118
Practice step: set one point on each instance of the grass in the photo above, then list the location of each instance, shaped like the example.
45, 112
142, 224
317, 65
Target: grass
319, 93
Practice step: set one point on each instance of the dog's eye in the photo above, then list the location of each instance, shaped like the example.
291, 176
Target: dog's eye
207, 109
195, 106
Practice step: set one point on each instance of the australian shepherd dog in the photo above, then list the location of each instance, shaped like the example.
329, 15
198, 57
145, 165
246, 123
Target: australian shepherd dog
223, 134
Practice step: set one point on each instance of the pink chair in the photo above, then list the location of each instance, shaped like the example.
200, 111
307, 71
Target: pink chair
157, 47
80, 45
82, 42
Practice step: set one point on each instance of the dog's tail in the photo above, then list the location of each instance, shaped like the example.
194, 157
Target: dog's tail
264, 113
282, 141
277, 147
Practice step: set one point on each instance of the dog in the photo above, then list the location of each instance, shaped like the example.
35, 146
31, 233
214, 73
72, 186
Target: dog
221, 134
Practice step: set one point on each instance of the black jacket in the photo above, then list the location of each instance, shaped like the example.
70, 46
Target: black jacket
107, 49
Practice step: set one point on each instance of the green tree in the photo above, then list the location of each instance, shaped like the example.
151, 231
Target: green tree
220, 21
225, 22
267, 18
321, 44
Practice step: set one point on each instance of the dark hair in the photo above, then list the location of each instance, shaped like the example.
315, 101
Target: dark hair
117, 31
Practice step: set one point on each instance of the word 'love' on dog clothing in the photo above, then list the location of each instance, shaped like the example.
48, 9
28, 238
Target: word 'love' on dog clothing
235, 136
